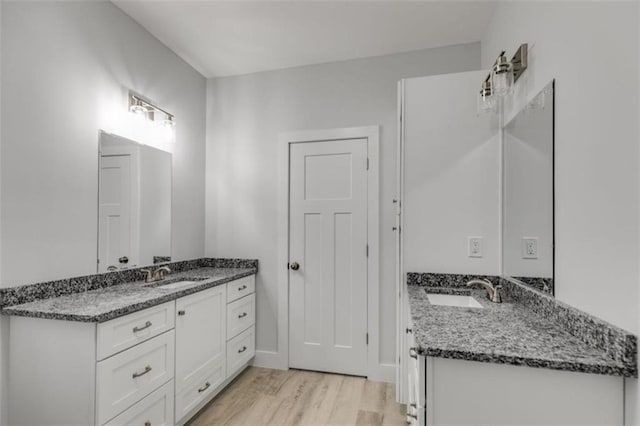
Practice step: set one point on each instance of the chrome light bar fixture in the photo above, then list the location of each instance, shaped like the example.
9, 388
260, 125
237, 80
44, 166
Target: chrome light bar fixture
499, 82
141, 107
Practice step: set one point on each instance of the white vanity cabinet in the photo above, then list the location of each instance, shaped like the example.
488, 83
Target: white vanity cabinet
200, 347
158, 366
443, 391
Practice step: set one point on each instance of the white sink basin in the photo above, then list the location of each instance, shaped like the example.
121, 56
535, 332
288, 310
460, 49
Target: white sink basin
453, 300
171, 285
178, 284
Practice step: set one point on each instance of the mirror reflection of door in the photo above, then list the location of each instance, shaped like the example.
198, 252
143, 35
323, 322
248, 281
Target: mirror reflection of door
134, 204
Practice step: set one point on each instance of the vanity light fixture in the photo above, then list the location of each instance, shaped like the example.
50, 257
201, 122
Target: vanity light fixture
504, 73
144, 108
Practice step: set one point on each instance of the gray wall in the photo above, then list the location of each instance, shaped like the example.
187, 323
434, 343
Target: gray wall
597, 182
245, 115
66, 68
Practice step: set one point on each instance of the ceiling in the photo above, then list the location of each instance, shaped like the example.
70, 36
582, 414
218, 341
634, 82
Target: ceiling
240, 37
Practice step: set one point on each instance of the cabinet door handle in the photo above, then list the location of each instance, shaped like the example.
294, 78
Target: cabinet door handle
408, 330
204, 388
144, 327
146, 370
181, 312
244, 348
242, 315
244, 287
412, 353
147, 423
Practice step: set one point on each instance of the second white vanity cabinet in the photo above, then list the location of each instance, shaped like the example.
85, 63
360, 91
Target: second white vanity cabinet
157, 366
445, 391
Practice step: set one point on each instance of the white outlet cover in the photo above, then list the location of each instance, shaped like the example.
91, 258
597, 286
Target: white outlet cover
474, 246
530, 247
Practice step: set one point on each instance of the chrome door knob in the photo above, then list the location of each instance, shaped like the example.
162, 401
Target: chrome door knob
295, 266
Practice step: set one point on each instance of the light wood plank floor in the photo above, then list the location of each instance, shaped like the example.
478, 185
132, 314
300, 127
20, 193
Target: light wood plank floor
261, 396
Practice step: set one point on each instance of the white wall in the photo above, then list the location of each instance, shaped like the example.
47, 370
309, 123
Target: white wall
597, 184
451, 177
245, 115
65, 71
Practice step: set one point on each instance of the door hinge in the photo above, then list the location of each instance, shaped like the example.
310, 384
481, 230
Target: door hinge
367, 163
367, 338
367, 249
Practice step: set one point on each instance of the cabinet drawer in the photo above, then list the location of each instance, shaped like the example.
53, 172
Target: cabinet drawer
154, 410
240, 315
240, 350
121, 333
240, 288
192, 395
129, 376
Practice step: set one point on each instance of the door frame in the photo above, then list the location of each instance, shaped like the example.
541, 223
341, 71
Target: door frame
372, 135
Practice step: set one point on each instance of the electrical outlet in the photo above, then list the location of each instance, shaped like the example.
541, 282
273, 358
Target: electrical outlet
529, 247
474, 246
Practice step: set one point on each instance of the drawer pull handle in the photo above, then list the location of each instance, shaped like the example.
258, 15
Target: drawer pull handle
244, 348
204, 388
412, 353
242, 315
244, 287
181, 312
146, 370
147, 423
144, 327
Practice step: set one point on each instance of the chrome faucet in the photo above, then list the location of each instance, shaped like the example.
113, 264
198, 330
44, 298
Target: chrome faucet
493, 292
156, 275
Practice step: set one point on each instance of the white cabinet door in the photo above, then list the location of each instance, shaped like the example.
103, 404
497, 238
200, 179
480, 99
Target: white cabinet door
200, 335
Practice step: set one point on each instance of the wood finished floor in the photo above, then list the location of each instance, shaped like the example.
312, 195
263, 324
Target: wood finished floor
261, 396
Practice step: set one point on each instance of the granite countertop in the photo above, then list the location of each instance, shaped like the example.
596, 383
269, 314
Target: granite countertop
114, 301
504, 333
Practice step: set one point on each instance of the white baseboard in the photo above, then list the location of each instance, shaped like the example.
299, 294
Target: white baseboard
384, 373
269, 359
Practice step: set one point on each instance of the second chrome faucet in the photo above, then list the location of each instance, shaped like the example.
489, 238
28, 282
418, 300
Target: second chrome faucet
154, 275
493, 292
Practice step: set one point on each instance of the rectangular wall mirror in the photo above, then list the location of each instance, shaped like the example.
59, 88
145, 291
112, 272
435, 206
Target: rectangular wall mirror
134, 204
528, 194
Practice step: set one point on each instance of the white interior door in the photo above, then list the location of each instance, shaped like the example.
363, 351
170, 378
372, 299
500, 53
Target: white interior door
328, 256
115, 212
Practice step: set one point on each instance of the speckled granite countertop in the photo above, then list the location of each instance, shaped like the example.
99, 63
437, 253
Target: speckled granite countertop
505, 333
114, 301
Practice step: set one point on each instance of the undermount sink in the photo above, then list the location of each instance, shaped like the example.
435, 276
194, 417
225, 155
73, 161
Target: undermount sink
174, 283
453, 300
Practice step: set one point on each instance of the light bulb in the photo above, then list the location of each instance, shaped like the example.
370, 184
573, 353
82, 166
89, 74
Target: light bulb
486, 98
502, 76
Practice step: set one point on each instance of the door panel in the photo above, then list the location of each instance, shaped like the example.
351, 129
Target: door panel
328, 239
115, 211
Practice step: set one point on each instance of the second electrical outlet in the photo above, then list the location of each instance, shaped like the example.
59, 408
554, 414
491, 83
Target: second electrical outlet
475, 246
